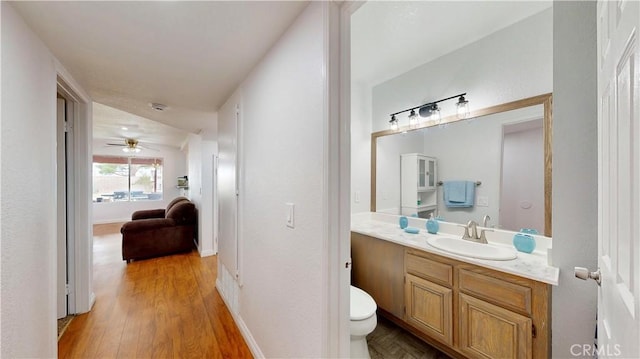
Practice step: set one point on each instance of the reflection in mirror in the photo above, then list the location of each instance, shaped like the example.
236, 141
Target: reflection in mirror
504, 151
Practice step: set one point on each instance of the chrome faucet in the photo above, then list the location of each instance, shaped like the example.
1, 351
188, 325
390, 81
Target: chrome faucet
471, 231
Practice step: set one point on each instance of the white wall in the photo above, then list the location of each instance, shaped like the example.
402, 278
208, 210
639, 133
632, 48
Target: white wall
282, 156
173, 167
575, 161
28, 202
485, 69
388, 175
360, 148
522, 189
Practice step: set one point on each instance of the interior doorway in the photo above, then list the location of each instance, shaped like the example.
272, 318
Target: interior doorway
522, 177
65, 299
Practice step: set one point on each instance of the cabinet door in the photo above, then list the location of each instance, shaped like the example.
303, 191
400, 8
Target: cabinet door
431, 173
422, 173
489, 331
429, 308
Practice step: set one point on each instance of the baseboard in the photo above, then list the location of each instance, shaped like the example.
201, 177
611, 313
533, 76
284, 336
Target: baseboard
207, 253
244, 330
109, 221
92, 300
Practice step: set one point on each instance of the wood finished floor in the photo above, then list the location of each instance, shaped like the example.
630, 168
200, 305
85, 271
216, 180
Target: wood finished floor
390, 341
158, 308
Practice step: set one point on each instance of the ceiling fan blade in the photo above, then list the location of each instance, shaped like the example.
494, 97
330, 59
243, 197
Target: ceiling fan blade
145, 147
115, 144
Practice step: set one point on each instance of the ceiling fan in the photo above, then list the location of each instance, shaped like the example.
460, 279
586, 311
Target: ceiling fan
130, 145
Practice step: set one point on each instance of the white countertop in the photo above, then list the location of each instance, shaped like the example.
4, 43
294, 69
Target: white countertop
385, 226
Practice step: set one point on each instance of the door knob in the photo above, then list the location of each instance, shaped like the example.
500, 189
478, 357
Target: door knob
584, 274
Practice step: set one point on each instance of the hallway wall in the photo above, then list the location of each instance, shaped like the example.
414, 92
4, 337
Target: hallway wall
28, 197
279, 295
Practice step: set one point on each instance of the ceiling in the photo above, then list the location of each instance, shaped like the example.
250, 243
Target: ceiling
116, 125
389, 38
188, 55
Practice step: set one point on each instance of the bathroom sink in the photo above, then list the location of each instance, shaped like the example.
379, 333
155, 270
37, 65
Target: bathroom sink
472, 249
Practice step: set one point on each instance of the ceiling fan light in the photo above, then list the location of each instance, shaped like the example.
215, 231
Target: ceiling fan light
131, 149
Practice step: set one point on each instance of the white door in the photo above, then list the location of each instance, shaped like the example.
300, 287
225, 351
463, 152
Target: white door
619, 179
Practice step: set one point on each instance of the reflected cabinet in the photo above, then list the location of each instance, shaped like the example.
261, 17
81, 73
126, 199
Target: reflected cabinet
418, 179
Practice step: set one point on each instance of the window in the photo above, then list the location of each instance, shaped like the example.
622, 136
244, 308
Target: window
117, 179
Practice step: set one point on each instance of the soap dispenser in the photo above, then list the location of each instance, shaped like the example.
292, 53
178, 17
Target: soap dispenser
432, 225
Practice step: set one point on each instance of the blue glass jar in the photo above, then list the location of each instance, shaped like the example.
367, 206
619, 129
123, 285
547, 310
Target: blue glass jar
432, 225
524, 242
404, 222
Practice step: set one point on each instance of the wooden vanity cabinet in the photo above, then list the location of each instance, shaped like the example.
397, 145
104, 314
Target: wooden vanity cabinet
474, 311
462, 309
377, 268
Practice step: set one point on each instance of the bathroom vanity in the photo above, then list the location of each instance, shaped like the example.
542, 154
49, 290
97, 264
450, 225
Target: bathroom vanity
464, 306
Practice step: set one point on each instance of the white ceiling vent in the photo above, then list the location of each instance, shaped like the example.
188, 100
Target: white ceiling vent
158, 106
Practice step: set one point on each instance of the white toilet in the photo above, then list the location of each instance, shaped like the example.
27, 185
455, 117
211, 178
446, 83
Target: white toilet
363, 321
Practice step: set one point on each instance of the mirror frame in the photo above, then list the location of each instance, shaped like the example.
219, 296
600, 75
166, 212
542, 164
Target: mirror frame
546, 100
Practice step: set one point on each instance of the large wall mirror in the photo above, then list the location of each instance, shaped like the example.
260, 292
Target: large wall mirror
505, 148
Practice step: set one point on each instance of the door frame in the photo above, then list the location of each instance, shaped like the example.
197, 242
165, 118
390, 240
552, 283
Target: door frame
64, 199
337, 175
80, 252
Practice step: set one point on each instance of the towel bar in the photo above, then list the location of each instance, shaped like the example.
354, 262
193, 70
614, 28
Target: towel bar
478, 183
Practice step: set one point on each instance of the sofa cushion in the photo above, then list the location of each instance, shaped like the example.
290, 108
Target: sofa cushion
176, 200
182, 213
143, 225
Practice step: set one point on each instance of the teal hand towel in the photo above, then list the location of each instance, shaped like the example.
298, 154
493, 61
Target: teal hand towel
456, 191
452, 187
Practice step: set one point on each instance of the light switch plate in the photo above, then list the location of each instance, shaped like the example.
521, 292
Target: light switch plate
290, 215
483, 201
356, 197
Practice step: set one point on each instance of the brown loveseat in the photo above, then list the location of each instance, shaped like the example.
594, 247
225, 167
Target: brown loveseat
159, 232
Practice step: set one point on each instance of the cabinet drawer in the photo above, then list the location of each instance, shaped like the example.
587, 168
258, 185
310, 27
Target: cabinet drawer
505, 294
434, 271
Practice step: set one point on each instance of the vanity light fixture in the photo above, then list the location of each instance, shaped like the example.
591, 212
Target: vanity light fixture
432, 111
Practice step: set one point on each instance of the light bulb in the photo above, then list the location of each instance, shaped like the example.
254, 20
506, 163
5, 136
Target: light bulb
393, 124
435, 114
413, 119
463, 108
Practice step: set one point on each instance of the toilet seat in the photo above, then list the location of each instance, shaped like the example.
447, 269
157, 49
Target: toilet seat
362, 305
